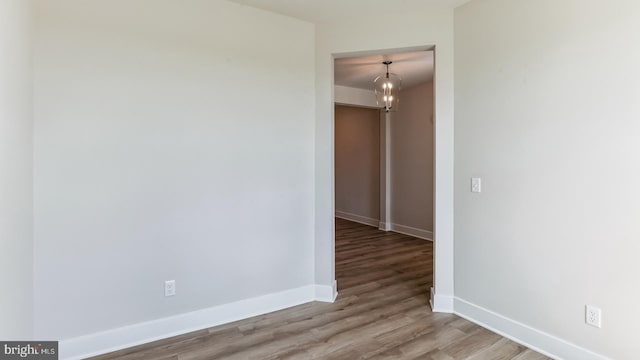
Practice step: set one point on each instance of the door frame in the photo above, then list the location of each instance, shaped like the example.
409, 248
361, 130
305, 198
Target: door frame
441, 297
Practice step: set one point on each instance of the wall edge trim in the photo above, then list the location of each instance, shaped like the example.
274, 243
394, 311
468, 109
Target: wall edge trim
124, 337
535, 339
412, 231
357, 218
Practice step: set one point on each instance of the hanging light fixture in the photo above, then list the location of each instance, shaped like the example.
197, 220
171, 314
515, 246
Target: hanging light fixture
387, 88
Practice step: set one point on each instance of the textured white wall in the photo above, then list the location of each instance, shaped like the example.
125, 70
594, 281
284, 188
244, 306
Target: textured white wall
16, 164
412, 158
547, 113
409, 25
173, 140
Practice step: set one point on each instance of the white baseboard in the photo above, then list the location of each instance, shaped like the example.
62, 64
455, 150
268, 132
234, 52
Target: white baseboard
402, 229
326, 293
357, 218
441, 303
141, 333
411, 231
526, 335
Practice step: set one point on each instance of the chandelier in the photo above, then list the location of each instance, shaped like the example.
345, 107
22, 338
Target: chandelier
387, 87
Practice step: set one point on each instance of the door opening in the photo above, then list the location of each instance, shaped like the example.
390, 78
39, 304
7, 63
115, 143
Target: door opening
384, 170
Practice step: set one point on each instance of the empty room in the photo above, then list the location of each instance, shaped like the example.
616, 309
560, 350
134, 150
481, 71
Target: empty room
223, 179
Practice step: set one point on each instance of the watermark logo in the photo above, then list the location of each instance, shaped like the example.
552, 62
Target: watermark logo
30, 350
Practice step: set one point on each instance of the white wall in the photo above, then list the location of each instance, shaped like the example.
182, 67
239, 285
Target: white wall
547, 109
412, 159
345, 95
173, 140
16, 163
408, 25
357, 164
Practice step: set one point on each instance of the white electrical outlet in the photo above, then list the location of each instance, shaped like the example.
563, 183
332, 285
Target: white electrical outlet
476, 185
169, 288
593, 316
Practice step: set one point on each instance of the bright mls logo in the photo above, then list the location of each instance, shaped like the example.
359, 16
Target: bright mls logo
45, 350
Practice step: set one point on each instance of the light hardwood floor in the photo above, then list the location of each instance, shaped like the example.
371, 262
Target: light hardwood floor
382, 312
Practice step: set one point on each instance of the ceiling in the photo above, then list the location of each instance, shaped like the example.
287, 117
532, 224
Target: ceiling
324, 11
359, 72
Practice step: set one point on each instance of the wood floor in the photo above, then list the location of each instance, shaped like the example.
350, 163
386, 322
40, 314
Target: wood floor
381, 312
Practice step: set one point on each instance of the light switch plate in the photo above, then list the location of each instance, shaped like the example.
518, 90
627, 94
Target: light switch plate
476, 185
169, 288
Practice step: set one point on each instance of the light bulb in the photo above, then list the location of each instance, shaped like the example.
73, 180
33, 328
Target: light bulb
390, 85
385, 98
390, 98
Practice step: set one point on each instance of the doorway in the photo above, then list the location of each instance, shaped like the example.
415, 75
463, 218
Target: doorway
396, 193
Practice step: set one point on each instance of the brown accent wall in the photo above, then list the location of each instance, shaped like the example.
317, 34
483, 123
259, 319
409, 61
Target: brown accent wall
412, 159
357, 161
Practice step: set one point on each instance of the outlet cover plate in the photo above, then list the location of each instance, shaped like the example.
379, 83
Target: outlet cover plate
593, 316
